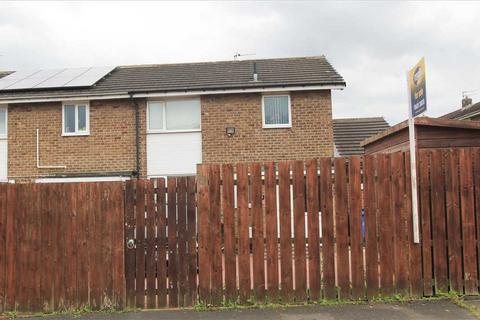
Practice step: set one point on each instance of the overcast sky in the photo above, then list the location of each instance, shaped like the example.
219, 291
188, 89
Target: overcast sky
371, 44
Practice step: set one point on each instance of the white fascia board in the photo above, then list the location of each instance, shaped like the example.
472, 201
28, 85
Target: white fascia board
171, 94
230, 91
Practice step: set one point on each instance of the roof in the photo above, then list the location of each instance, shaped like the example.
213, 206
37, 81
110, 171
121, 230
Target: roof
424, 121
202, 76
349, 133
463, 113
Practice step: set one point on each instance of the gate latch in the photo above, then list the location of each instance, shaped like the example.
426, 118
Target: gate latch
130, 243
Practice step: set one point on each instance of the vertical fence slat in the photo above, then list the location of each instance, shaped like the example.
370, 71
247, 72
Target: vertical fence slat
192, 242
130, 235
424, 178
453, 222
118, 209
468, 222
385, 223
438, 222
258, 233
355, 196
399, 226
161, 223
271, 230
285, 231
415, 249
182, 238
11, 249
243, 232
326, 205
150, 262
216, 235
229, 233
172, 243
341, 227
371, 248
204, 253
83, 238
3, 231
299, 231
140, 249
313, 230
476, 175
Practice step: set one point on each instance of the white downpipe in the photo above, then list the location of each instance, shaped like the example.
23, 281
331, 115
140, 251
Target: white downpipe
38, 156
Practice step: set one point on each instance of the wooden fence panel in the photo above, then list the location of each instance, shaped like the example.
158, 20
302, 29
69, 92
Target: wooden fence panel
191, 298
161, 224
150, 253
3, 256
172, 264
243, 232
216, 237
285, 232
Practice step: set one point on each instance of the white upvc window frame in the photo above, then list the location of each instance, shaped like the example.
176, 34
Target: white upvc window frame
164, 118
5, 135
87, 122
276, 126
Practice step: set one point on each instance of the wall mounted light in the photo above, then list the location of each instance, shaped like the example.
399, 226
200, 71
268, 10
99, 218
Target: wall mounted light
230, 131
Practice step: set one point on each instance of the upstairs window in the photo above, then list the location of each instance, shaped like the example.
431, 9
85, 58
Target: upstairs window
76, 119
174, 115
3, 122
276, 111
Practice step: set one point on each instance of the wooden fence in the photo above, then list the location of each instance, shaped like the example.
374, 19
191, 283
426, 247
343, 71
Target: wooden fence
161, 266
294, 231
326, 228
61, 246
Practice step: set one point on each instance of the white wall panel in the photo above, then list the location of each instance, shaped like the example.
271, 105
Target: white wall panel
173, 153
3, 159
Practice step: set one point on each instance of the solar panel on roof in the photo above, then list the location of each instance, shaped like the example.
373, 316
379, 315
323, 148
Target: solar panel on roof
54, 78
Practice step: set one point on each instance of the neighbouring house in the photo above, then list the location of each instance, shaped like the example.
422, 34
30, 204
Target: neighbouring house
430, 133
348, 133
159, 120
468, 111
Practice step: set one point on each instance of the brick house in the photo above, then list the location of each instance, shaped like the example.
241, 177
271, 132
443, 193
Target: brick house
157, 120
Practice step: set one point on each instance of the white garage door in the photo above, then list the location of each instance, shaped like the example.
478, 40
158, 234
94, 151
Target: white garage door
174, 139
3, 143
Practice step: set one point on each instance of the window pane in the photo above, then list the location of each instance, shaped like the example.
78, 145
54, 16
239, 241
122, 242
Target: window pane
82, 118
183, 115
276, 110
69, 113
155, 115
3, 122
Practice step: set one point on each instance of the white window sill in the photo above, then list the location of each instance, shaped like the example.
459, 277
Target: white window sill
277, 126
173, 131
3, 138
80, 134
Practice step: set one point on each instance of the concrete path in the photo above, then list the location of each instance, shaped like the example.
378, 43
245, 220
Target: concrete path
440, 309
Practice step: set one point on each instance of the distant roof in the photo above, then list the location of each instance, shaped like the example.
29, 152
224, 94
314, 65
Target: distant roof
4, 73
424, 121
202, 76
463, 113
348, 133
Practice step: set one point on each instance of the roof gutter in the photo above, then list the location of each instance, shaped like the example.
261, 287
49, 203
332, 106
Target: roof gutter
138, 94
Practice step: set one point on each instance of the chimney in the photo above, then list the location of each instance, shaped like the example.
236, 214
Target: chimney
466, 102
255, 74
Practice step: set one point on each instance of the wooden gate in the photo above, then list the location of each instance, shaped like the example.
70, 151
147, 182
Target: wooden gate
160, 238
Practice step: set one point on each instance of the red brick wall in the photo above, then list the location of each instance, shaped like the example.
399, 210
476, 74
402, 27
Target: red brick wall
310, 136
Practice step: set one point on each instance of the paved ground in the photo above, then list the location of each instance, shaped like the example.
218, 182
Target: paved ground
440, 309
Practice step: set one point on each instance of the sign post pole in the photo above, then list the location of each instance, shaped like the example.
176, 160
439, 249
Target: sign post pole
413, 175
417, 100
